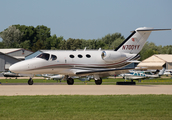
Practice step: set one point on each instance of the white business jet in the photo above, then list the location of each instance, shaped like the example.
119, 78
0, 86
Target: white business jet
100, 63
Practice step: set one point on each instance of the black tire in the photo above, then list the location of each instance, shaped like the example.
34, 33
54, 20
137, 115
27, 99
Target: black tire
30, 81
70, 81
98, 82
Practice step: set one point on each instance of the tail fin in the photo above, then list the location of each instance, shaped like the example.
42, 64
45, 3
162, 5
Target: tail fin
135, 42
162, 71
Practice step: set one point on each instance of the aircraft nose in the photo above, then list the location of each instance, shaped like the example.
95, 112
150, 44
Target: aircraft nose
17, 67
13, 68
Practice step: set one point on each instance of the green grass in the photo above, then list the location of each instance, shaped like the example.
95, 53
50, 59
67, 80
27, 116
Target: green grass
26, 80
109, 81
78, 107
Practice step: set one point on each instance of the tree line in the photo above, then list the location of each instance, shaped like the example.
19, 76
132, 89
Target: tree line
39, 37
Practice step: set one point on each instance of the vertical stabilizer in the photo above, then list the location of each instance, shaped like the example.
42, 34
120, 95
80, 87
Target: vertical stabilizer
135, 42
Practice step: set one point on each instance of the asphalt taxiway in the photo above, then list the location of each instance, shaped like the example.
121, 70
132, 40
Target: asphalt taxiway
11, 90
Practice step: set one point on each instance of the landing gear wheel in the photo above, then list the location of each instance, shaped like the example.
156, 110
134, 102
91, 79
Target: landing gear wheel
70, 81
98, 82
30, 81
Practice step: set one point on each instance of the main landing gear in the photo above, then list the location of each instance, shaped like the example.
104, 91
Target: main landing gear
30, 81
70, 81
99, 81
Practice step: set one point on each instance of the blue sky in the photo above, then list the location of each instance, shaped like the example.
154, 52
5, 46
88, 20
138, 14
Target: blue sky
90, 19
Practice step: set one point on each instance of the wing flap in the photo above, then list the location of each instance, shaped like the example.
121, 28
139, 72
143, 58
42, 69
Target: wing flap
95, 71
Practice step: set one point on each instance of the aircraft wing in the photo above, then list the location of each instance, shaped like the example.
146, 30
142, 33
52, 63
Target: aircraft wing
140, 77
135, 77
92, 71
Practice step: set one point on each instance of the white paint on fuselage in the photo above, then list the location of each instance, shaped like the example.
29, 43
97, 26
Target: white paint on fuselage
64, 62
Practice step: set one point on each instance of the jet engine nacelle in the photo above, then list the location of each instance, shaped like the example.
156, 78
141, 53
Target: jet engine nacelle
111, 56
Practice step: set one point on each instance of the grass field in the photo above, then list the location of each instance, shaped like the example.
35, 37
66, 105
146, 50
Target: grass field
80, 107
109, 81
68, 107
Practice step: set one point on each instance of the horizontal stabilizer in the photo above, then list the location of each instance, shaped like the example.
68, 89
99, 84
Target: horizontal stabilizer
153, 29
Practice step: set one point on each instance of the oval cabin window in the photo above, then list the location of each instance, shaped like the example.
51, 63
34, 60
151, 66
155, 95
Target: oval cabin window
80, 56
71, 56
88, 56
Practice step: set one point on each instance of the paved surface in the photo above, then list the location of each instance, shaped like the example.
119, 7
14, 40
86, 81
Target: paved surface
10, 90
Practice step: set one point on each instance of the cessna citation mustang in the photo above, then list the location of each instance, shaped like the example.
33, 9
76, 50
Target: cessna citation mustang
100, 63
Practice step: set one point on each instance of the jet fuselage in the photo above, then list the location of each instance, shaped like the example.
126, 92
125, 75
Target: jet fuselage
56, 62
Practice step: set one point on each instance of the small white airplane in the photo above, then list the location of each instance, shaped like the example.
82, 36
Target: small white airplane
10, 74
60, 77
98, 64
168, 72
140, 75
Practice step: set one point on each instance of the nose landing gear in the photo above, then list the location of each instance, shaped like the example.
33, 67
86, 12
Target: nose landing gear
30, 81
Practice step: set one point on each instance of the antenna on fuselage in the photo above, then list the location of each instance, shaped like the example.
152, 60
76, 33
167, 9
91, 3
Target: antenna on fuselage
99, 49
85, 48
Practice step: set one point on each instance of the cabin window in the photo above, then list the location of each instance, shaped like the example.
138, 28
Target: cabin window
80, 56
44, 56
88, 56
53, 57
71, 56
135, 74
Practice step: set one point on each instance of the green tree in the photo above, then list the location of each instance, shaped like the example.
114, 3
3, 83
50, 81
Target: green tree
62, 45
84, 44
169, 49
148, 50
28, 33
1, 45
25, 45
160, 49
100, 44
116, 43
110, 38
42, 32
38, 45
92, 44
11, 37
73, 44
149, 53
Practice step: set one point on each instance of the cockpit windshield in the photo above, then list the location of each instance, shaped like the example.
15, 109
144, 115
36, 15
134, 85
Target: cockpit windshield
44, 56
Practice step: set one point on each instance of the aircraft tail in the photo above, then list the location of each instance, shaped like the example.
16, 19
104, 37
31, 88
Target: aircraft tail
163, 70
135, 42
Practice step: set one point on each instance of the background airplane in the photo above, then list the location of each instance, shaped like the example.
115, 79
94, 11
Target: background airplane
52, 76
11, 74
140, 75
100, 63
168, 72
60, 77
